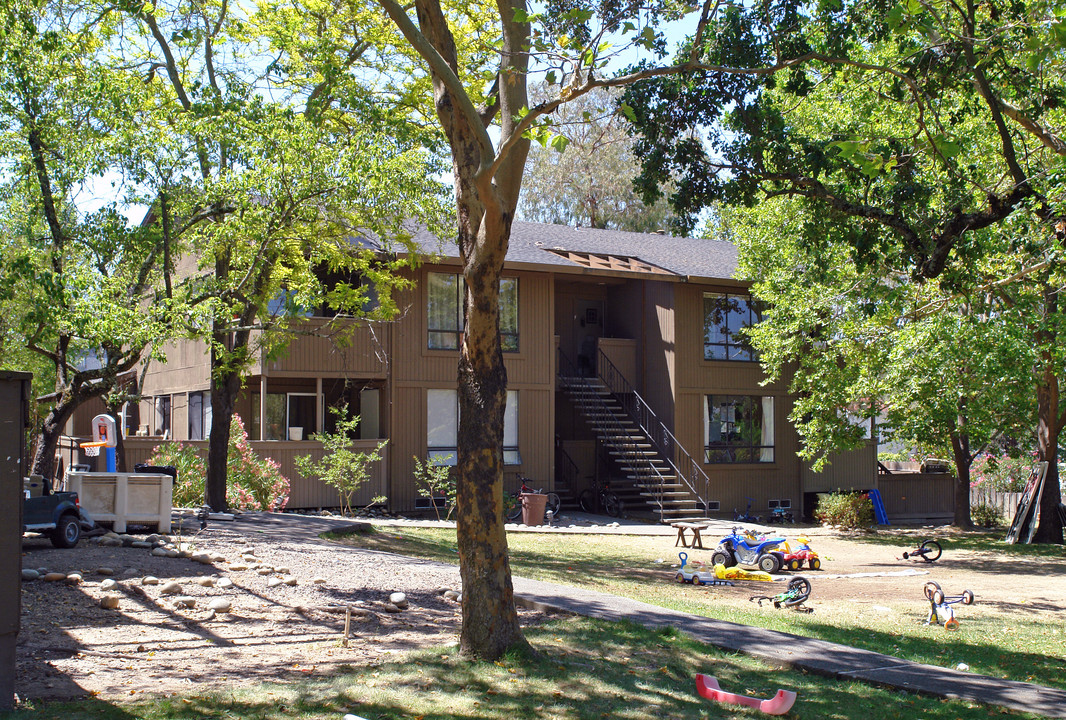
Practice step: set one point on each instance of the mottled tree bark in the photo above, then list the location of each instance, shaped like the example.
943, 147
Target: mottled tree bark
960, 446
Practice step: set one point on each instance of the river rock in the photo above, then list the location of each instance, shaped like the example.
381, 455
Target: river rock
109, 602
206, 581
74, 578
171, 588
273, 582
142, 545
160, 551
110, 541
202, 558
290, 581
265, 570
238, 567
398, 599
319, 580
282, 570
224, 583
149, 580
222, 605
30, 574
108, 584
184, 601
54, 576
105, 571
451, 594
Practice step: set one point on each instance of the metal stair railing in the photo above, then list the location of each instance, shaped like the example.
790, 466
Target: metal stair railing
613, 427
660, 436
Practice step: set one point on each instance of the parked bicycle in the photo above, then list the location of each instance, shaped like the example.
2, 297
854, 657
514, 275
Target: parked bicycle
746, 516
601, 499
514, 509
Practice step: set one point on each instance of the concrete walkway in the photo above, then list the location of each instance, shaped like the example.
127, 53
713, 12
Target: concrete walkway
817, 656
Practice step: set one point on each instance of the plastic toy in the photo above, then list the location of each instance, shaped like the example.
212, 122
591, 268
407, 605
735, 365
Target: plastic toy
780, 515
746, 516
779, 704
744, 547
734, 573
929, 551
799, 590
798, 551
940, 611
697, 573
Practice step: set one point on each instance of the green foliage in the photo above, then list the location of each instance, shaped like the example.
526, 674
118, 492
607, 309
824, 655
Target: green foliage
342, 467
850, 511
192, 472
436, 481
986, 516
252, 483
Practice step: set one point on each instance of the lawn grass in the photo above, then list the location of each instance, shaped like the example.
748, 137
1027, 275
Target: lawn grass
582, 669
995, 644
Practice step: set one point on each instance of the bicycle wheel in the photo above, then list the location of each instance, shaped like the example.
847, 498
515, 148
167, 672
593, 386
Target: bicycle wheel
553, 504
515, 511
587, 501
931, 551
612, 504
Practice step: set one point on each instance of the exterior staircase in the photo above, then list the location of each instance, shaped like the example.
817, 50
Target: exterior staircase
644, 466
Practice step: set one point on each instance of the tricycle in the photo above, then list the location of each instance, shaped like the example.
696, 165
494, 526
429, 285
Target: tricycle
744, 547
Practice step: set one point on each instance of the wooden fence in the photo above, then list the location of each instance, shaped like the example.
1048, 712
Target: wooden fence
1005, 502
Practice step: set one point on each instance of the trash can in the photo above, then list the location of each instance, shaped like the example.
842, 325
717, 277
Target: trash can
157, 470
533, 505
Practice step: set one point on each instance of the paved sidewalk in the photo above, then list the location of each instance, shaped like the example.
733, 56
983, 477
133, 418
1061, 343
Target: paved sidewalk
817, 656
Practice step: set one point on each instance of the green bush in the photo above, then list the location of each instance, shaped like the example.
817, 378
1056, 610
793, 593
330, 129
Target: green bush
850, 511
984, 515
192, 472
342, 467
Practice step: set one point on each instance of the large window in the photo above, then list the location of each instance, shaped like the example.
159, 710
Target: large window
724, 316
445, 311
442, 427
289, 416
161, 417
739, 429
199, 415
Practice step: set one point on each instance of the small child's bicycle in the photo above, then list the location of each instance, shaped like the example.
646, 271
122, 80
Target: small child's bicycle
940, 611
929, 551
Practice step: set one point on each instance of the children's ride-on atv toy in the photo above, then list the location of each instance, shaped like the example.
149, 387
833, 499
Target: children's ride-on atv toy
697, 573
940, 611
798, 551
780, 515
929, 551
744, 547
799, 589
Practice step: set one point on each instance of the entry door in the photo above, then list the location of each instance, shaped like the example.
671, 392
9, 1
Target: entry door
588, 329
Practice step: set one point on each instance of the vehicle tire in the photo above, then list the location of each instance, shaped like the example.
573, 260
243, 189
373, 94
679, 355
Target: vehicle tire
929, 589
967, 597
769, 563
587, 501
720, 557
815, 564
931, 551
612, 504
67, 532
794, 564
696, 579
553, 504
680, 577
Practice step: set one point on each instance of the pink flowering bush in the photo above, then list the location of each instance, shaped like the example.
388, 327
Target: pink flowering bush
252, 483
1001, 473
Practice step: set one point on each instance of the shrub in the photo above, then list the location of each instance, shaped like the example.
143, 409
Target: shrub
436, 481
192, 472
985, 515
1001, 473
252, 483
846, 510
341, 467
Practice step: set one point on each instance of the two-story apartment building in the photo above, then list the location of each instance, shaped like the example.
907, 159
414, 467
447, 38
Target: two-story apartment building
624, 362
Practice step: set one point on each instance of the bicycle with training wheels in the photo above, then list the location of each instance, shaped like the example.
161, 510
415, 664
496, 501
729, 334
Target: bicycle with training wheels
514, 510
601, 499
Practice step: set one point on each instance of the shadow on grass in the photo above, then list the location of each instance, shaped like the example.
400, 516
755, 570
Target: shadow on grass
972, 541
580, 669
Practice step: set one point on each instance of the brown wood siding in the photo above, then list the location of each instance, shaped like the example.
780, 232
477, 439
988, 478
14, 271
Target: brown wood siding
188, 367
659, 372
918, 496
854, 470
322, 349
622, 353
304, 493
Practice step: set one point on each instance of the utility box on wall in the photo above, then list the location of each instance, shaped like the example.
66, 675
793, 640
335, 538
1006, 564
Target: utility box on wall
14, 417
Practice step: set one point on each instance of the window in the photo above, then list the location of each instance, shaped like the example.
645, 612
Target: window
445, 311
739, 429
289, 416
442, 427
199, 415
724, 316
161, 417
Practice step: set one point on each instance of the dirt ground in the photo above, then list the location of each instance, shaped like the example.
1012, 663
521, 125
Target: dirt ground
287, 621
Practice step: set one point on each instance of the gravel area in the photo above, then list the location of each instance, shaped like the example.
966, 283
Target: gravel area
286, 593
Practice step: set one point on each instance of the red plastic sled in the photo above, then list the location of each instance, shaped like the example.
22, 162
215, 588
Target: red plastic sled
779, 704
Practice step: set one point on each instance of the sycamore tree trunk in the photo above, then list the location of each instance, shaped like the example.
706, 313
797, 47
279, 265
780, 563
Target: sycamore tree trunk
960, 446
229, 349
44, 456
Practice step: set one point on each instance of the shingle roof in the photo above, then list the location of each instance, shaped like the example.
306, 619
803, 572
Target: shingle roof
533, 243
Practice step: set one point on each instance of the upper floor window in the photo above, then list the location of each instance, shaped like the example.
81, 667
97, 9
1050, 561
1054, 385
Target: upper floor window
724, 316
444, 311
